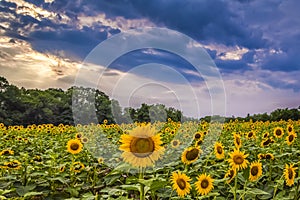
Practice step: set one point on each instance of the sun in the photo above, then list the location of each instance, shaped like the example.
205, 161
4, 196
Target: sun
219, 150
190, 155
181, 183
204, 184
255, 171
141, 147
238, 159
289, 174
74, 146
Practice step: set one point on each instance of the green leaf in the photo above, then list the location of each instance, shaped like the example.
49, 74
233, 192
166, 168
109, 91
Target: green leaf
130, 187
22, 190
73, 192
29, 194
256, 191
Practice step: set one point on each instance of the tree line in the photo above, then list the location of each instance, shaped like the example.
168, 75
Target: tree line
21, 106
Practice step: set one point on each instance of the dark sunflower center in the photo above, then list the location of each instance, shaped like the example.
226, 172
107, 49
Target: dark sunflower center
219, 150
12, 165
231, 174
238, 159
74, 146
181, 183
291, 138
254, 170
290, 129
250, 134
290, 174
175, 143
268, 156
278, 132
267, 142
197, 136
142, 147
266, 135
192, 154
238, 141
204, 183
6, 152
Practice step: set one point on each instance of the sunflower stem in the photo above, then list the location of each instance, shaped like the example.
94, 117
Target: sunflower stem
142, 187
235, 185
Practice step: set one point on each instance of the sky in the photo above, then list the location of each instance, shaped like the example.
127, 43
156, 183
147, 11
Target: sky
248, 51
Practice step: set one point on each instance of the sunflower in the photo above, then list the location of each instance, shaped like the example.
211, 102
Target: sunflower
289, 174
290, 128
141, 146
198, 136
190, 155
79, 135
237, 141
269, 156
181, 183
62, 168
238, 159
84, 140
219, 150
6, 152
251, 135
12, 165
204, 184
77, 167
266, 142
261, 156
231, 173
175, 143
255, 171
290, 138
278, 132
199, 142
266, 134
100, 160
74, 146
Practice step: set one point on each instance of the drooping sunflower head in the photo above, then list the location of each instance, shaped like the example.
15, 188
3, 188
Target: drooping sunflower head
290, 138
231, 173
278, 132
74, 146
141, 147
237, 140
238, 159
289, 174
204, 184
180, 183
255, 171
219, 150
190, 155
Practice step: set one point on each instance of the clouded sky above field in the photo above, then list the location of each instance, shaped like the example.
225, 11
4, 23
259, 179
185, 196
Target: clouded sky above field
255, 45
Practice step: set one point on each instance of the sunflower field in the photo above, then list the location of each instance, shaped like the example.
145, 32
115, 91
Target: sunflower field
170, 160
